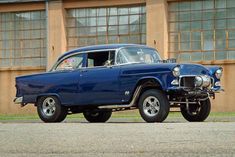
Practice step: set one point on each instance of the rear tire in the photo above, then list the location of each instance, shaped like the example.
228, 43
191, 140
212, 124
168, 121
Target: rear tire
153, 106
97, 116
50, 110
196, 112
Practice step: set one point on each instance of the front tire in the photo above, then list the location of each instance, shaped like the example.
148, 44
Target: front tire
50, 110
97, 116
153, 106
196, 112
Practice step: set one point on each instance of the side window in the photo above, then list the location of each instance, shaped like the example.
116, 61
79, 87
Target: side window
100, 58
71, 63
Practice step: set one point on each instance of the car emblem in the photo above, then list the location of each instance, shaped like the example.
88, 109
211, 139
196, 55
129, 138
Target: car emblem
127, 92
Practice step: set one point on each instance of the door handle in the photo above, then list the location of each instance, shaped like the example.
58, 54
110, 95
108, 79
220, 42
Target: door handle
83, 70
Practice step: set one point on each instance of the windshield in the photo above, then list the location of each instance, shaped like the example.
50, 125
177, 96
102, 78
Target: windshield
137, 55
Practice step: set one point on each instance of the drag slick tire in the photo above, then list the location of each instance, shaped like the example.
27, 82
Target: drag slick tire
196, 112
97, 116
153, 106
50, 110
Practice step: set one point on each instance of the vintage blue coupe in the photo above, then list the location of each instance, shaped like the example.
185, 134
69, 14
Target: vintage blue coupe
98, 80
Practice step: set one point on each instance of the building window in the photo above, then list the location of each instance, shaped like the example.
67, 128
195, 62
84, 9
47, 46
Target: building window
202, 30
23, 39
106, 25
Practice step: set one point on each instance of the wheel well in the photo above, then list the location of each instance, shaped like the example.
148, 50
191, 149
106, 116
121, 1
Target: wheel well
40, 96
146, 84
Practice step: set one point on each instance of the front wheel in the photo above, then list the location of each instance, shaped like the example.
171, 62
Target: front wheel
97, 116
153, 106
50, 110
196, 112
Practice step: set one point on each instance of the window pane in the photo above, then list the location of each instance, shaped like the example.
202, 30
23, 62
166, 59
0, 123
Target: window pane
231, 13
135, 10
231, 54
185, 46
230, 3
196, 45
231, 34
122, 11
220, 3
183, 6
196, 36
231, 43
208, 56
220, 13
220, 55
184, 57
196, 56
208, 40
184, 16
101, 21
123, 20
185, 36
231, 23
208, 25
184, 26
197, 5
208, 4
196, 15
220, 24
220, 37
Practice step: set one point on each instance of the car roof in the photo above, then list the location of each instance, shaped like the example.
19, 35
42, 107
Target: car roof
98, 47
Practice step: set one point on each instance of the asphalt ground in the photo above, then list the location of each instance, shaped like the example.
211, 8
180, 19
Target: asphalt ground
119, 137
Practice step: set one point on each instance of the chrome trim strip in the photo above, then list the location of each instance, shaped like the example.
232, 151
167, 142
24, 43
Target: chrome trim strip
132, 103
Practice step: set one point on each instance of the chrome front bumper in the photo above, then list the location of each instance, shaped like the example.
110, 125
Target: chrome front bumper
18, 100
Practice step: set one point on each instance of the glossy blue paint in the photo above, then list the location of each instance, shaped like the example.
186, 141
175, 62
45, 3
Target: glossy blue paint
101, 85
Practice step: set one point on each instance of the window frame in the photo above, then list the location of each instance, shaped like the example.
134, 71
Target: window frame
141, 47
66, 57
100, 51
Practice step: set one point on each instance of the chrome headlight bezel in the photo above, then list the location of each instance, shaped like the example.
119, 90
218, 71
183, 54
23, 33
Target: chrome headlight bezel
198, 81
202, 81
219, 73
176, 71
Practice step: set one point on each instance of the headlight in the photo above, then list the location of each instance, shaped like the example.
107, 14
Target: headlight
176, 71
198, 81
218, 73
202, 81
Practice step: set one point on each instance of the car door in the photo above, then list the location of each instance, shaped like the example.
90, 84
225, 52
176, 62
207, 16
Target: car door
99, 84
64, 78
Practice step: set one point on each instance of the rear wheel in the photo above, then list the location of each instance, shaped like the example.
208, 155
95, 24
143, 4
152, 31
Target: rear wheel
153, 106
97, 116
196, 112
50, 110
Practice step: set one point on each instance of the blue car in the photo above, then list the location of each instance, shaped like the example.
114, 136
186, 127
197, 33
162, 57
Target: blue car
98, 80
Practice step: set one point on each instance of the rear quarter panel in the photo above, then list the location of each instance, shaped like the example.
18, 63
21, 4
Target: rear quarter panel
63, 84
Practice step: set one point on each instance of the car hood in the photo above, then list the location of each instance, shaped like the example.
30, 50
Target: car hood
186, 69
193, 69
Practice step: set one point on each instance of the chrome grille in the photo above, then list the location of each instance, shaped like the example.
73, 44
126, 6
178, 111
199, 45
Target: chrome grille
187, 81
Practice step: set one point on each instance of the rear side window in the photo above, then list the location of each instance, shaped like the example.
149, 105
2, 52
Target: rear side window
70, 63
100, 58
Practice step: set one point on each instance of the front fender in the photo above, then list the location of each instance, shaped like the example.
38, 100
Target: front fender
142, 79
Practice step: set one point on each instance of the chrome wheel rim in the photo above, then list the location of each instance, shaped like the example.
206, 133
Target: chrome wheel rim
48, 106
151, 106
